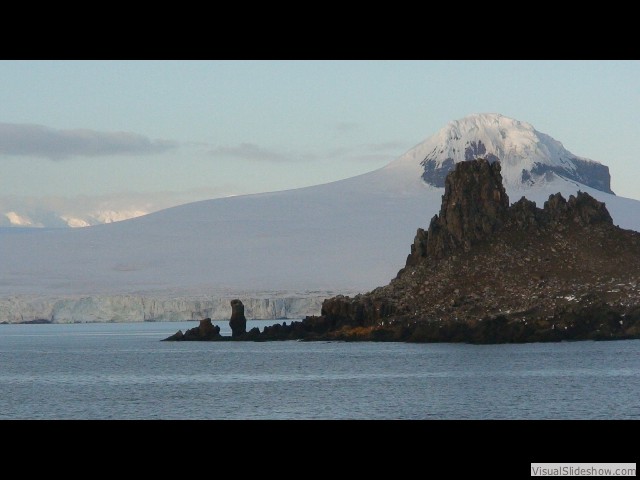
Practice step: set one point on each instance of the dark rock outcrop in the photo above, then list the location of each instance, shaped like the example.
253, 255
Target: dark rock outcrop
204, 331
36, 321
474, 205
364, 311
238, 322
435, 174
176, 337
208, 331
591, 174
487, 272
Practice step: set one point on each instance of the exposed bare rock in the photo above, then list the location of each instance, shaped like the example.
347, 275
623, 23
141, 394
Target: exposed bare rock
474, 205
484, 268
204, 331
238, 322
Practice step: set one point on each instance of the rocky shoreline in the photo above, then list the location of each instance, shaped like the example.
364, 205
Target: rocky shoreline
599, 322
488, 272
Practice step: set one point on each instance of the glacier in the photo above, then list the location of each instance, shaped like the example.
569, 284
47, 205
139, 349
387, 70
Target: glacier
137, 308
281, 253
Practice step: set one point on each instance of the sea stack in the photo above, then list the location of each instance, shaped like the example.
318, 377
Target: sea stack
238, 322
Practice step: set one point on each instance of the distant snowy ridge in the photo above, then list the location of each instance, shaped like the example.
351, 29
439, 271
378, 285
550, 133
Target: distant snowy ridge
38, 218
527, 156
137, 308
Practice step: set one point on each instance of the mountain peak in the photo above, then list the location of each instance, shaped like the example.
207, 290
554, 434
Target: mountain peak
481, 120
528, 157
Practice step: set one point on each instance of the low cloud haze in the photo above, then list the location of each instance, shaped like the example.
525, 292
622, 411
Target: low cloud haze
40, 141
251, 151
81, 211
364, 152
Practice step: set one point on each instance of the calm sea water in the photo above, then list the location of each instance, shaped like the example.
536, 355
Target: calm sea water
123, 371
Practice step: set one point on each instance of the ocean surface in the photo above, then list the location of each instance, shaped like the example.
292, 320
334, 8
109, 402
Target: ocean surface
124, 371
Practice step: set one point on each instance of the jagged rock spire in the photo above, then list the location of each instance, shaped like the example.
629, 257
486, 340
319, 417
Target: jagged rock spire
474, 205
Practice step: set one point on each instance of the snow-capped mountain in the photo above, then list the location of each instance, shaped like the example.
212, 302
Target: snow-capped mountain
41, 217
527, 156
281, 248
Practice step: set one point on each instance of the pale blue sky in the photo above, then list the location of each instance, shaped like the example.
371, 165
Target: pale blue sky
201, 129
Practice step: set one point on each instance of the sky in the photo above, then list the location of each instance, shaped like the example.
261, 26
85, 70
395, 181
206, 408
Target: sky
116, 139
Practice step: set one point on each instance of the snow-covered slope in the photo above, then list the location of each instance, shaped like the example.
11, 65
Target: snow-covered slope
527, 156
310, 243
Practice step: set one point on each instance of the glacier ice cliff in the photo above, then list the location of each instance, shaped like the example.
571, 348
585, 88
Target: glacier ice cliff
139, 308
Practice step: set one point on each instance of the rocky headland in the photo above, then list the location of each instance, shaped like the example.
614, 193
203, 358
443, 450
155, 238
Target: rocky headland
486, 271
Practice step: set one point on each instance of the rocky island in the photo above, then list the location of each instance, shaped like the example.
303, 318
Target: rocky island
486, 271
